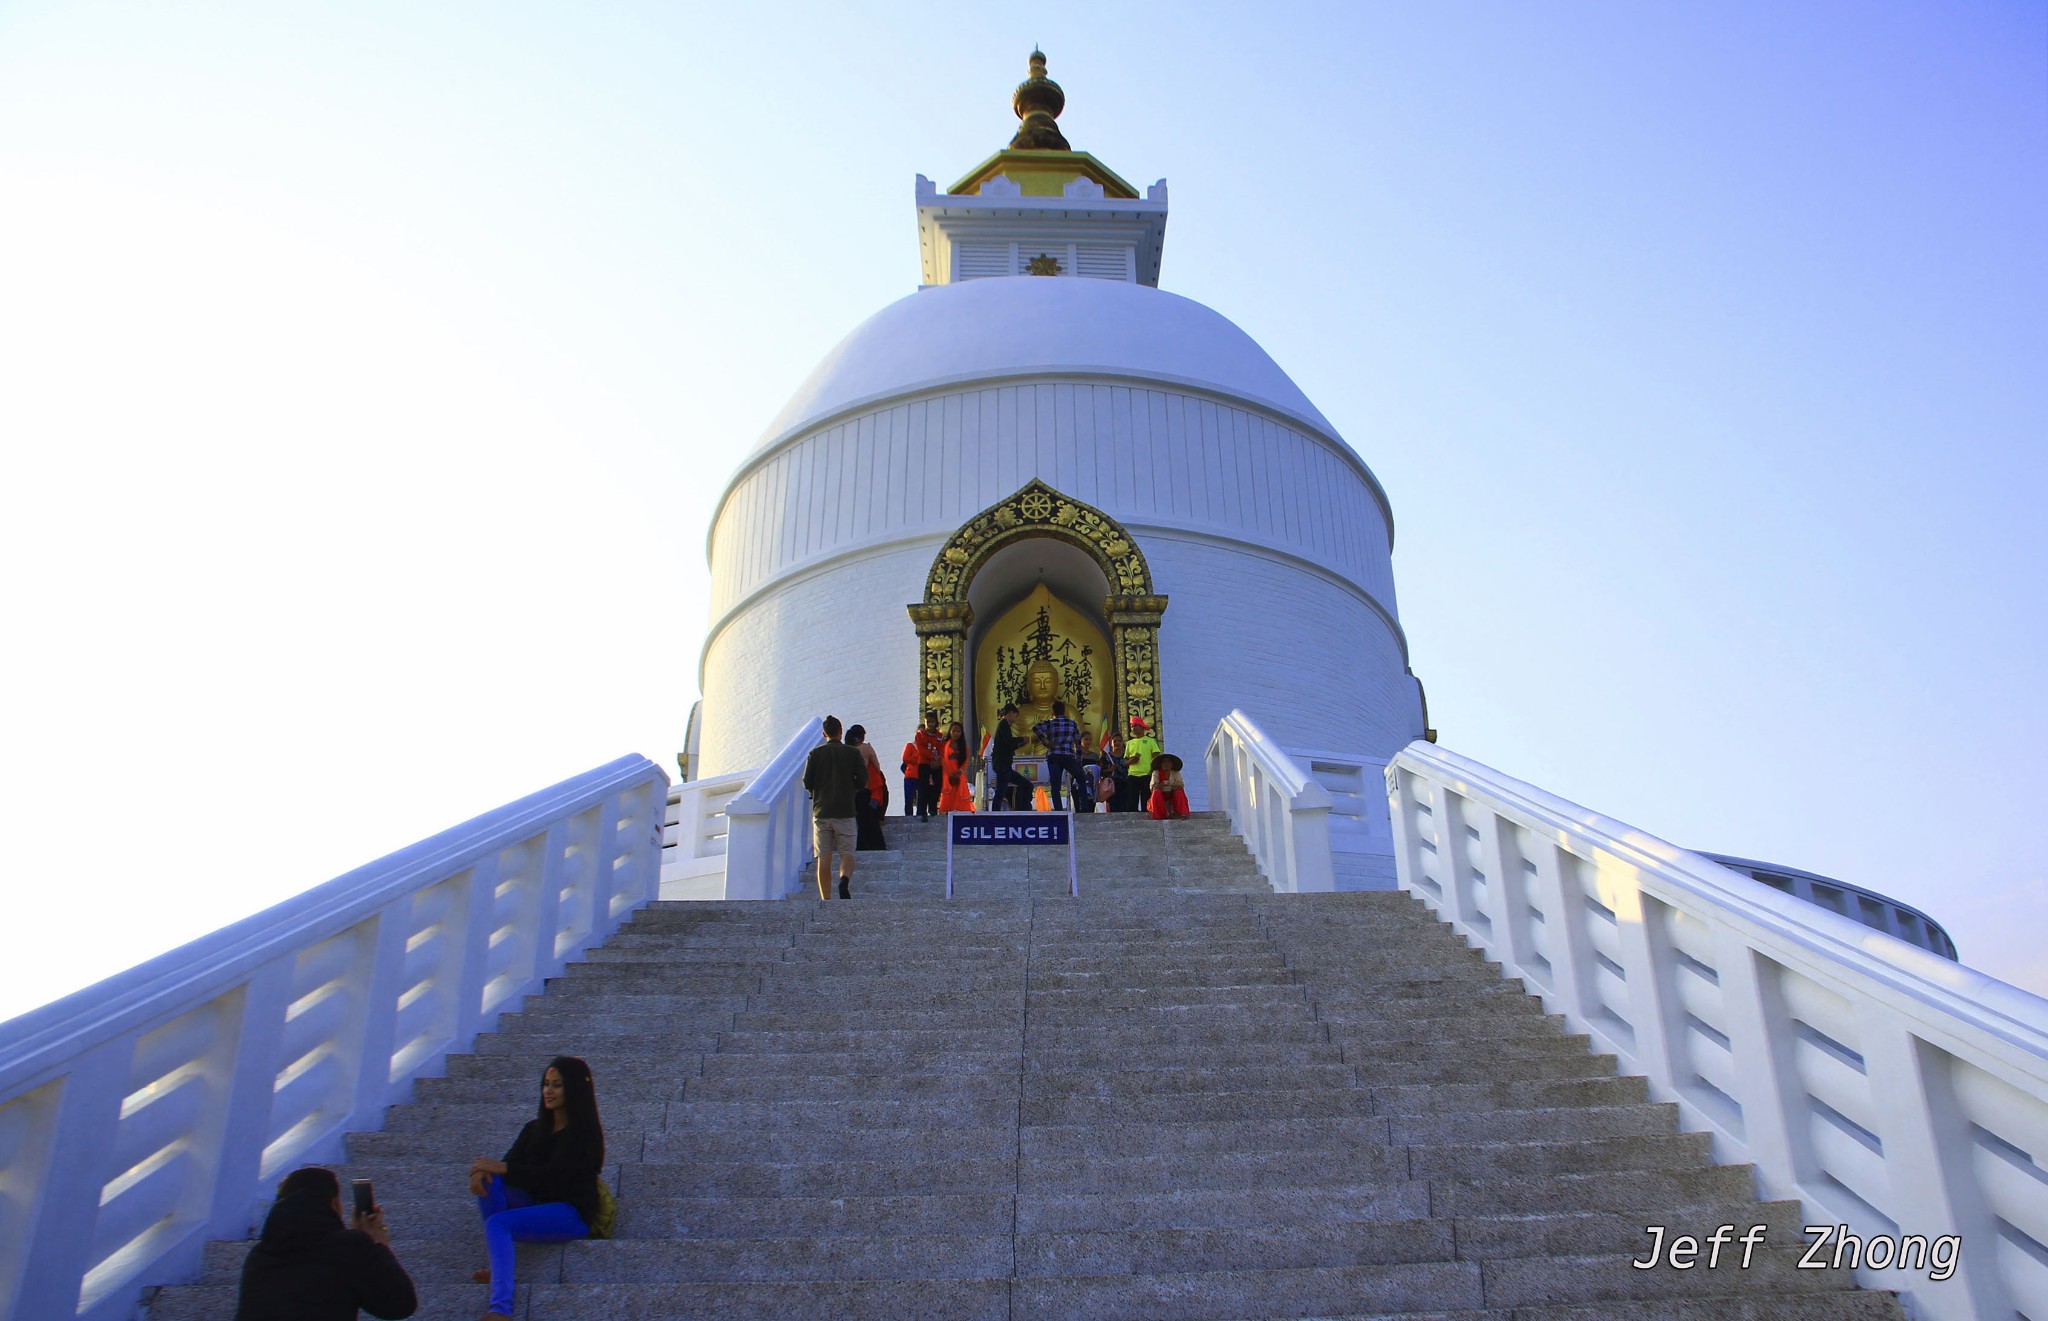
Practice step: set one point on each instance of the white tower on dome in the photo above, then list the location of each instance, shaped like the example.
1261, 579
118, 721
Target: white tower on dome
1071, 478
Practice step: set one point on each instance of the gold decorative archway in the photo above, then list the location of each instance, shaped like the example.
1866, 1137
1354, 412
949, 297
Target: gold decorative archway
1131, 612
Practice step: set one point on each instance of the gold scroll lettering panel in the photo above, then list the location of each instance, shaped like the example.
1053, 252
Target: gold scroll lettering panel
1042, 649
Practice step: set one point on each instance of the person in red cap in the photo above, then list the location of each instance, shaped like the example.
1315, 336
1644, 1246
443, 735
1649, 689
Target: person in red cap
1139, 750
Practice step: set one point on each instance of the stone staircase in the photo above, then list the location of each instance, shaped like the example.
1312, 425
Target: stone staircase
1181, 1096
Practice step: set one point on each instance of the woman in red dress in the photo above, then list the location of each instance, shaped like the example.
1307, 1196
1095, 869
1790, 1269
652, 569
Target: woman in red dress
1169, 792
955, 793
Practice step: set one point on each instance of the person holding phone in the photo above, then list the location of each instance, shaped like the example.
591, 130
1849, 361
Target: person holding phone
309, 1266
545, 1190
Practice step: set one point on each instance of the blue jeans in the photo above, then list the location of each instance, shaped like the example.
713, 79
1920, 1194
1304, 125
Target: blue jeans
1068, 766
510, 1216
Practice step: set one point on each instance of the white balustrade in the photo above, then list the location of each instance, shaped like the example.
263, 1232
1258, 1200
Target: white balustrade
1886, 1088
694, 836
768, 841
149, 1113
1273, 802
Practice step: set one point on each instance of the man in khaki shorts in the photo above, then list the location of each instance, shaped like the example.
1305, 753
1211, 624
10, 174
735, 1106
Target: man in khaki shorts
832, 776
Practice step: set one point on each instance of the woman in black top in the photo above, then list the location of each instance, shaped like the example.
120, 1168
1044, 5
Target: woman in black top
545, 1190
308, 1267
871, 800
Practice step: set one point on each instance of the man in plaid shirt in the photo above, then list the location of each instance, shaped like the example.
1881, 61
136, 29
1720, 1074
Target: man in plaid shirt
1062, 739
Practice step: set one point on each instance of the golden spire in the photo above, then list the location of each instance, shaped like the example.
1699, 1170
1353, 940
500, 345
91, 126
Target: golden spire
1038, 101
1038, 162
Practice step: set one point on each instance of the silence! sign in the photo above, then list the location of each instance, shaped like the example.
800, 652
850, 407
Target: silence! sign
964, 829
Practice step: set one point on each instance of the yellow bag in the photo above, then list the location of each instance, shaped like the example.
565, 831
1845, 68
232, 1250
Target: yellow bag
607, 1211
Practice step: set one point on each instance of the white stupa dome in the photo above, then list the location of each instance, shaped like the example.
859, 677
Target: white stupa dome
992, 329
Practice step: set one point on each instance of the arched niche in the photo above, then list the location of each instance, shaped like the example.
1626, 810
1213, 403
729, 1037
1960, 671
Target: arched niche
1000, 536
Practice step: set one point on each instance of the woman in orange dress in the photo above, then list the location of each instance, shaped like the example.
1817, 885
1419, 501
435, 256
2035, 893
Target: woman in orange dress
955, 793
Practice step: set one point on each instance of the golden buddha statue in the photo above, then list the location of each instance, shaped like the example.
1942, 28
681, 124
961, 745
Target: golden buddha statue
1042, 685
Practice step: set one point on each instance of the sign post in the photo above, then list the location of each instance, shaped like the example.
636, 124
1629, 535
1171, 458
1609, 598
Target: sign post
982, 828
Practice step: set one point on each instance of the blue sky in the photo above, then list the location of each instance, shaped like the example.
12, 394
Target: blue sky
368, 371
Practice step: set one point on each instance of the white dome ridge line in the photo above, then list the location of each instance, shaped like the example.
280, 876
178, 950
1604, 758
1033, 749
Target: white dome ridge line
1200, 534
1319, 431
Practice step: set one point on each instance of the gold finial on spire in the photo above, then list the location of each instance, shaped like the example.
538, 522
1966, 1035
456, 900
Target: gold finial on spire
1038, 162
1038, 101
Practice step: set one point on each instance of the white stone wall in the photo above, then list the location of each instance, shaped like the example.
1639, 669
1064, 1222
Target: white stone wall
1164, 457
1303, 655
831, 642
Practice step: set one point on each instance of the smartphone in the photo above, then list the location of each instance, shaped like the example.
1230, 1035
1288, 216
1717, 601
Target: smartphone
365, 1203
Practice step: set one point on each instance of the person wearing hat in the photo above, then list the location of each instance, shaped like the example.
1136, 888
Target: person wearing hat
1169, 793
1139, 750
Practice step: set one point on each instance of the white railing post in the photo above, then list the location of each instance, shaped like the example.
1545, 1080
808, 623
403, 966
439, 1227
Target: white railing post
249, 1091
1762, 1090
474, 936
750, 848
1446, 810
1282, 813
1570, 951
1507, 891
1648, 967
87, 1104
604, 871
767, 824
1308, 842
28, 1124
379, 1010
1403, 806
1927, 1150
547, 902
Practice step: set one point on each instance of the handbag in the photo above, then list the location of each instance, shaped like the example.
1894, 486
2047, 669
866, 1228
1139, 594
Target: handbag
1105, 789
607, 1211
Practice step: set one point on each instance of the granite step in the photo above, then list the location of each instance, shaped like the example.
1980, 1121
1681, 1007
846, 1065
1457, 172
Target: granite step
911, 1300
820, 1178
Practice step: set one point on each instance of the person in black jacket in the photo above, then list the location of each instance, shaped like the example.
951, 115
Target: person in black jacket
308, 1266
545, 1190
1002, 762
